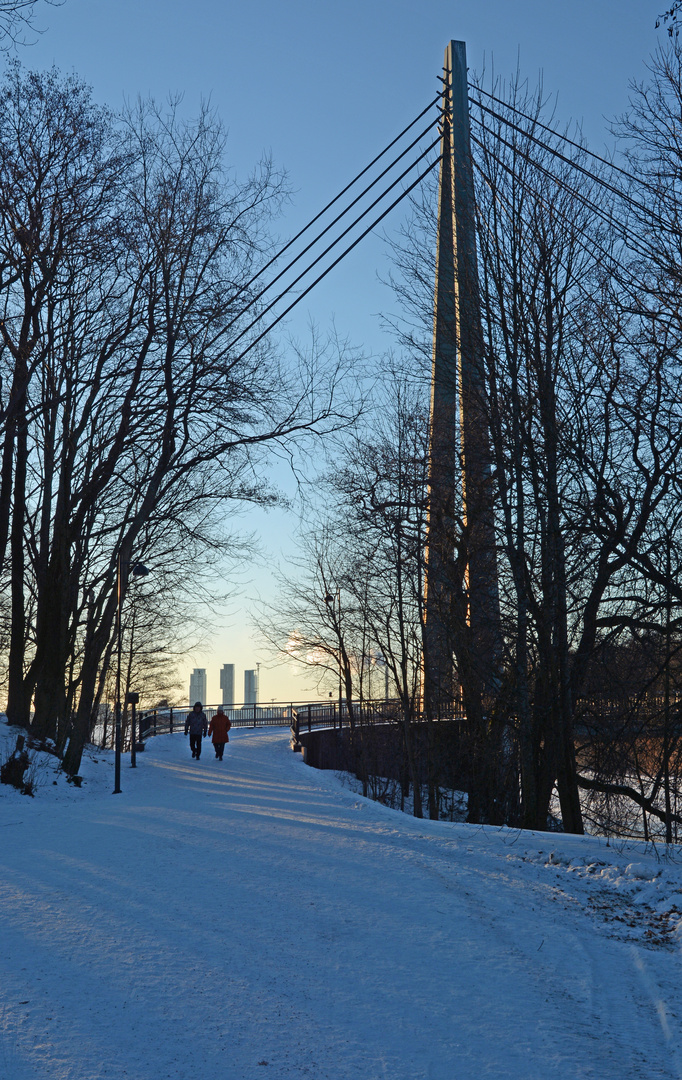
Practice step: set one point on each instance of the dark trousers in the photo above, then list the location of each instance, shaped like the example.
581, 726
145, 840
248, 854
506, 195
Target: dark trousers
195, 743
219, 748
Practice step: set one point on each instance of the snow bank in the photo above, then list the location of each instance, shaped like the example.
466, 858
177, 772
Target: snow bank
252, 918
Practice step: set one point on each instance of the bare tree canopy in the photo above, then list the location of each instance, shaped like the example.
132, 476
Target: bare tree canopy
18, 20
671, 17
130, 424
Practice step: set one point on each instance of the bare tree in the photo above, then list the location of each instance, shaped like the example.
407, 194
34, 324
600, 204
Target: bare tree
56, 179
671, 18
381, 497
359, 593
132, 423
582, 391
18, 19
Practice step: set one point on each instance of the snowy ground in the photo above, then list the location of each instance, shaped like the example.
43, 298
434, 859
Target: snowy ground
253, 919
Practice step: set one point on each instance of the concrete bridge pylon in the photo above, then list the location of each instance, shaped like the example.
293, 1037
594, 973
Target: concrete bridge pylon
461, 522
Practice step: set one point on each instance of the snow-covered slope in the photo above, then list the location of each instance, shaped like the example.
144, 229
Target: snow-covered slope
253, 919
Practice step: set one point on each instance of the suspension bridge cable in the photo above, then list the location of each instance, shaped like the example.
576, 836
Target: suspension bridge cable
625, 233
578, 235
576, 165
343, 254
333, 244
609, 218
580, 327
565, 138
597, 250
647, 252
331, 224
336, 198
633, 287
554, 207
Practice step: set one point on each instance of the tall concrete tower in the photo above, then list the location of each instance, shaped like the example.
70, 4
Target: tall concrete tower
250, 687
197, 686
227, 683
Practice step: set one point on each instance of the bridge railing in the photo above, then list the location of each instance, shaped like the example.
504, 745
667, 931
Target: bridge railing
167, 721
327, 714
303, 715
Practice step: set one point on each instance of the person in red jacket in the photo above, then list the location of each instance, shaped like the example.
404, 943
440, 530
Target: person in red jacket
218, 728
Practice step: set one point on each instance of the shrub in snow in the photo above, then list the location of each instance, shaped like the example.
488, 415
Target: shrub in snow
12, 771
640, 870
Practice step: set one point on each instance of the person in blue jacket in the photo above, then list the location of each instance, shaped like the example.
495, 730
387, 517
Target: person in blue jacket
197, 725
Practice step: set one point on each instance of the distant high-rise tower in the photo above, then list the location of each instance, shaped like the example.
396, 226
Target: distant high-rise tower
250, 687
197, 686
227, 684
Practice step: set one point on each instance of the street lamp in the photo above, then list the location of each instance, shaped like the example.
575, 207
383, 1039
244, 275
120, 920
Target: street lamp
137, 570
329, 600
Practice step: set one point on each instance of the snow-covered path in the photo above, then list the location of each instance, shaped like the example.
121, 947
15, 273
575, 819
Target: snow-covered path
254, 919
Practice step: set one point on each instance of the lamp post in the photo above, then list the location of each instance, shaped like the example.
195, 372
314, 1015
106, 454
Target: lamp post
329, 600
137, 570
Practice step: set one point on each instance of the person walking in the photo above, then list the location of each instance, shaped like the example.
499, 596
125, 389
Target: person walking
219, 727
197, 725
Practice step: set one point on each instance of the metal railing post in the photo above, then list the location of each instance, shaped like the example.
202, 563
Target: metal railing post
133, 699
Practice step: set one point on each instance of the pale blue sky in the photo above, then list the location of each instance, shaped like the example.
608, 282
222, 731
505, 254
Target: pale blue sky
323, 87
